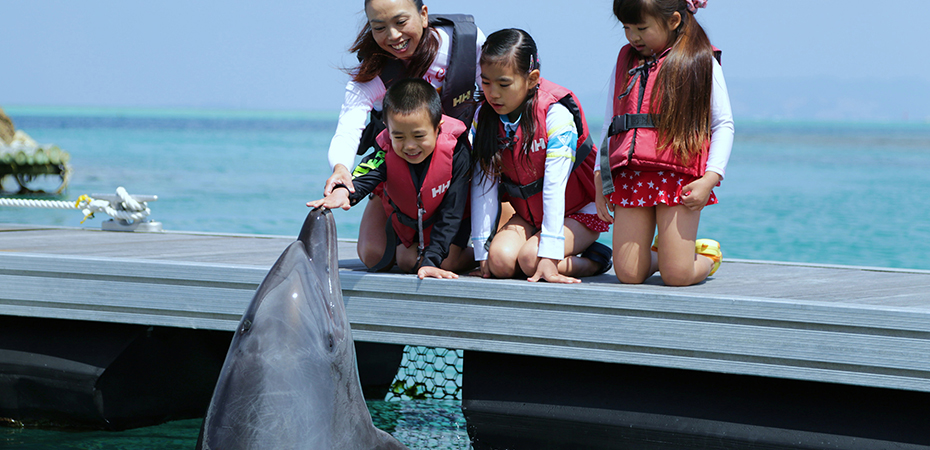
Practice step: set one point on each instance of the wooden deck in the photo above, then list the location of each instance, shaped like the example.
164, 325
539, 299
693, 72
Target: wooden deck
850, 325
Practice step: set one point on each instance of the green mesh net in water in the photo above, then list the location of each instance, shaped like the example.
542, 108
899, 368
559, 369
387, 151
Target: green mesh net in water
428, 373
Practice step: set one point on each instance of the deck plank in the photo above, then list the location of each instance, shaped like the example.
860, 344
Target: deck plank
862, 326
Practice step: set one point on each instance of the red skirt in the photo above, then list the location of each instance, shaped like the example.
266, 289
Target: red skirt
592, 221
646, 188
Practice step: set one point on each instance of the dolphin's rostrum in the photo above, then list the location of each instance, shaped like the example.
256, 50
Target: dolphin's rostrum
290, 378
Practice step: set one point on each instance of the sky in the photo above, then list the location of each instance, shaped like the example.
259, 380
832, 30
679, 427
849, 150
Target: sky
789, 60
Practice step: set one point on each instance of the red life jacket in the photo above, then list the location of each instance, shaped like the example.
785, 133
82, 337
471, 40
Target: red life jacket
634, 144
522, 174
400, 199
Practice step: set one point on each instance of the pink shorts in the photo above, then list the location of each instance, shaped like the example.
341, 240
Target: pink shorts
591, 221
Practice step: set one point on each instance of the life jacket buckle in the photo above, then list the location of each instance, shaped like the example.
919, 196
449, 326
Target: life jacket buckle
421, 247
626, 122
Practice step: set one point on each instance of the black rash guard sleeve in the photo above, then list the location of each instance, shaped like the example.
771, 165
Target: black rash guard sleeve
452, 207
367, 182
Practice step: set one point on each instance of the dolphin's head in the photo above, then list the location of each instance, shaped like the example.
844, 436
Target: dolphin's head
289, 353
298, 311
318, 239
290, 377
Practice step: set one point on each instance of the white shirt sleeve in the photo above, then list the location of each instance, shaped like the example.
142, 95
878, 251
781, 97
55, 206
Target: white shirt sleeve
721, 124
360, 99
484, 205
560, 155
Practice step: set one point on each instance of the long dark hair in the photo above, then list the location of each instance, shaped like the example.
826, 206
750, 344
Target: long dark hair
372, 58
683, 88
517, 49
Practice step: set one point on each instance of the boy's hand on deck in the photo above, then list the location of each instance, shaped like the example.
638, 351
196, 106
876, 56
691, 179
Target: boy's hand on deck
435, 272
340, 175
548, 269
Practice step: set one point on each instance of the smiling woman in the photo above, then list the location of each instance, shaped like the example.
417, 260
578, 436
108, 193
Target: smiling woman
395, 28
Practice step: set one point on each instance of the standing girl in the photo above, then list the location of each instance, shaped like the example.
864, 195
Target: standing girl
399, 40
531, 144
670, 132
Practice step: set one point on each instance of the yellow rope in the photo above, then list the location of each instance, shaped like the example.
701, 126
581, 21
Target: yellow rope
84, 199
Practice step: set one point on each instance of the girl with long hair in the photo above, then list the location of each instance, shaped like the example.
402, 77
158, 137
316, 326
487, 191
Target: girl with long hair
668, 136
531, 148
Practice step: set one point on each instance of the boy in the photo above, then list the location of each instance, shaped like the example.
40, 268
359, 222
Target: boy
425, 175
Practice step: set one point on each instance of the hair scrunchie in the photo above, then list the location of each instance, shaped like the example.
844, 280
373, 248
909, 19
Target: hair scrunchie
693, 5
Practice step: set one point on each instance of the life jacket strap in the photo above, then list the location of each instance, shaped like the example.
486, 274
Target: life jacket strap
626, 122
421, 246
458, 91
412, 222
607, 182
525, 191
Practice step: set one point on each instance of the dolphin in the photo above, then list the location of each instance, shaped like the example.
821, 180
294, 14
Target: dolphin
290, 378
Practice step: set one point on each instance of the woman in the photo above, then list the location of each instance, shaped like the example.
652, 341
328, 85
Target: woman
399, 40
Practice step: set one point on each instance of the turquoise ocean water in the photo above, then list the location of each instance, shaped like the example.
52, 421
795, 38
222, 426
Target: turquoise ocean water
832, 193
821, 193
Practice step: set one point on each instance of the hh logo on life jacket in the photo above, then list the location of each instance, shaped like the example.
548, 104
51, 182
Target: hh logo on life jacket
442, 188
461, 99
539, 145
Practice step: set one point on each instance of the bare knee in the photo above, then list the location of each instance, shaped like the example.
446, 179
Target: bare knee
677, 274
528, 259
368, 253
371, 233
631, 275
503, 263
632, 267
459, 259
406, 257
501, 269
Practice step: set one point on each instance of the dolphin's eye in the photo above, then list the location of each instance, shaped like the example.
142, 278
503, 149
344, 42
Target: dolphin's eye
331, 341
246, 324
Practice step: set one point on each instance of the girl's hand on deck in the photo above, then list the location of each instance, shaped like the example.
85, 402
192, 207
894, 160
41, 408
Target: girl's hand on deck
695, 194
482, 271
548, 269
604, 207
435, 272
340, 175
337, 199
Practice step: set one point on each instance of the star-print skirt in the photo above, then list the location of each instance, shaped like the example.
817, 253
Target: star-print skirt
645, 188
